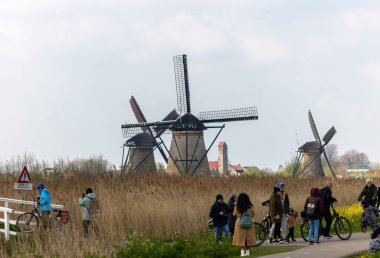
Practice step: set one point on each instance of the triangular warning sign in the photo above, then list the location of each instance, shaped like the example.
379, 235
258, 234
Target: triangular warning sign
24, 176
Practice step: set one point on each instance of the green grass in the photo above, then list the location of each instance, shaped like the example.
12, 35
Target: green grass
197, 246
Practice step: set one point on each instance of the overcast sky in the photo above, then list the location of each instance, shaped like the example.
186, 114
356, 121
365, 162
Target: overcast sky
68, 69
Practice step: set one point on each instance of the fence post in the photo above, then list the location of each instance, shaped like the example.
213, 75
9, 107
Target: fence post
6, 222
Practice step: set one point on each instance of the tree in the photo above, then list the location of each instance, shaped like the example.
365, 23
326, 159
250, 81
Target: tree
353, 159
253, 171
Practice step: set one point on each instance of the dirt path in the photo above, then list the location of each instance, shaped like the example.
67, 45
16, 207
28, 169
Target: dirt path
332, 248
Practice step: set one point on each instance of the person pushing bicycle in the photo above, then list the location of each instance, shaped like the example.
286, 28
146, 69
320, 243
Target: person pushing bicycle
44, 203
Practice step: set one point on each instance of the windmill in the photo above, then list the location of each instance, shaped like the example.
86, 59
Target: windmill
309, 154
143, 143
188, 152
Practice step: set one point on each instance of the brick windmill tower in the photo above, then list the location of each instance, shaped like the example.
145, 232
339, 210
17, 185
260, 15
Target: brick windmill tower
188, 151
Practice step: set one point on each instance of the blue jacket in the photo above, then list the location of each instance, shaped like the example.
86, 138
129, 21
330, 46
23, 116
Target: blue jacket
45, 201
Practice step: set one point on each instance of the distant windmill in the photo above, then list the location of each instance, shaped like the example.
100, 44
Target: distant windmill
308, 159
143, 143
188, 153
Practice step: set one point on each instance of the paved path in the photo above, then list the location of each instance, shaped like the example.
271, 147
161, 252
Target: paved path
332, 248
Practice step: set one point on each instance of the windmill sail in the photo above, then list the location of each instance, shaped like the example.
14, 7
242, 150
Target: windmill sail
314, 128
182, 84
238, 114
329, 135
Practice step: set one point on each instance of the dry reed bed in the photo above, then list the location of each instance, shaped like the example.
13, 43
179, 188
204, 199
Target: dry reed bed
156, 205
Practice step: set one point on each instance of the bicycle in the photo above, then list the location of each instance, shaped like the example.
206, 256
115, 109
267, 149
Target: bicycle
28, 222
266, 222
342, 226
363, 224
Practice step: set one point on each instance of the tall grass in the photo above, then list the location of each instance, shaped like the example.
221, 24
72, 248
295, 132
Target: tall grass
151, 205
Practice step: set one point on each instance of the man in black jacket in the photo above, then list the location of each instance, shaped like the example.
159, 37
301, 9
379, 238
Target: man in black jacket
369, 193
219, 215
326, 195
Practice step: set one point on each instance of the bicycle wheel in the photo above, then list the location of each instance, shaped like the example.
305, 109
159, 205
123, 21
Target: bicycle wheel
27, 222
363, 225
266, 225
343, 228
305, 230
260, 232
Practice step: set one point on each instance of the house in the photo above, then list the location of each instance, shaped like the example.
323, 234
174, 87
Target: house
374, 172
222, 167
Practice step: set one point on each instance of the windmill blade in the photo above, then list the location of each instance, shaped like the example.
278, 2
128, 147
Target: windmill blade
138, 113
239, 114
182, 84
329, 135
154, 124
328, 163
173, 115
314, 128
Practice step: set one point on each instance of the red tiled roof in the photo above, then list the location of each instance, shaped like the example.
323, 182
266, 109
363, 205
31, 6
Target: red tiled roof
213, 165
237, 167
374, 172
221, 144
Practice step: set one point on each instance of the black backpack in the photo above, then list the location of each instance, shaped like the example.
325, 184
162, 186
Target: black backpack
312, 206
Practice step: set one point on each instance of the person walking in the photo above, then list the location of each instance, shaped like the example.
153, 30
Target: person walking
314, 209
292, 216
87, 201
276, 212
326, 195
230, 208
219, 215
369, 192
44, 202
285, 205
244, 237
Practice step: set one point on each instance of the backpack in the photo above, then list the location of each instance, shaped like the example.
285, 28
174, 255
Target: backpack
94, 206
245, 220
312, 206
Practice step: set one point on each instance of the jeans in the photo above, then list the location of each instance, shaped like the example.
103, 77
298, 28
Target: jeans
314, 227
218, 231
284, 222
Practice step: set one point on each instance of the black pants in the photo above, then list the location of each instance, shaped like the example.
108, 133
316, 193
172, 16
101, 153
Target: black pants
328, 218
290, 234
277, 230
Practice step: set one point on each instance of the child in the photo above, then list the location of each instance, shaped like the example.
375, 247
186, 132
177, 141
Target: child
292, 216
370, 214
374, 244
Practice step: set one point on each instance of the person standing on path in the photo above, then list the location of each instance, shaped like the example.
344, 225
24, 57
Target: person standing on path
87, 216
276, 211
44, 204
219, 215
314, 209
326, 195
369, 192
292, 216
285, 207
231, 218
245, 238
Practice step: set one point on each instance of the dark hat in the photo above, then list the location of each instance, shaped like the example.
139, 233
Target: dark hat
219, 196
276, 189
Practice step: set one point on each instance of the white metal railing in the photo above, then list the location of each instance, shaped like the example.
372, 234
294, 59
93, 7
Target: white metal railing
7, 212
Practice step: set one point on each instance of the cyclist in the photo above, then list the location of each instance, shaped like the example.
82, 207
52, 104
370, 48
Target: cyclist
369, 192
44, 205
370, 214
285, 205
326, 195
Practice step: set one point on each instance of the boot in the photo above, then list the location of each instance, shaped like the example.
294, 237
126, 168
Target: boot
242, 252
